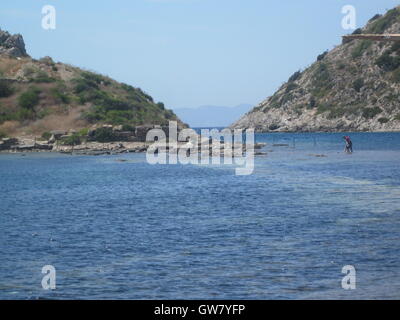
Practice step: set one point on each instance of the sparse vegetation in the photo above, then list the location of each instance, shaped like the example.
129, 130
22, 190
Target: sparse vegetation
396, 75
94, 77
313, 103
46, 135
72, 140
358, 84
29, 99
375, 17
360, 48
83, 132
128, 127
104, 135
336, 112
290, 87
295, 76
383, 120
322, 55
388, 62
381, 23
59, 95
323, 107
343, 85
322, 81
5, 89
42, 77
42, 88
370, 113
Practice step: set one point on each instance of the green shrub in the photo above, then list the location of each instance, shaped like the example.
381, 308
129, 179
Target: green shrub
295, 76
396, 75
370, 113
323, 107
46, 135
321, 74
360, 48
397, 117
24, 114
104, 135
313, 103
29, 99
358, 84
82, 85
383, 120
128, 127
336, 113
375, 17
117, 117
395, 47
60, 96
322, 55
127, 87
161, 106
388, 62
71, 140
5, 89
382, 23
43, 77
83, 132
169, 115
290, 87
94, 77
43, 113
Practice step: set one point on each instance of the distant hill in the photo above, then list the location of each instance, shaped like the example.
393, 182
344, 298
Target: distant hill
211, 116
37, 96
354, 87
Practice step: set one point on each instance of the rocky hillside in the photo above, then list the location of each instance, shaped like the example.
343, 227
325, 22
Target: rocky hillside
354, 87
38, 96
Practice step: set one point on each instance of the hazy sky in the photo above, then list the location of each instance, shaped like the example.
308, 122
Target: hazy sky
188, 53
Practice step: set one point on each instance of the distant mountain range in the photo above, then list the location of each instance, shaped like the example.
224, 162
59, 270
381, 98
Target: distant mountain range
212, 116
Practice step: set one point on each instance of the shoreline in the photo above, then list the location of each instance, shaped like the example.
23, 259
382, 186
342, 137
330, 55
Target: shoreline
89, 148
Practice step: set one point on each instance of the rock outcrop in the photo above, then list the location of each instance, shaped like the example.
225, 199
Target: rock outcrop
354, 87
12, 45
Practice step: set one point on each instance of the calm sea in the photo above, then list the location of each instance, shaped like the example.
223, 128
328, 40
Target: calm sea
130, 230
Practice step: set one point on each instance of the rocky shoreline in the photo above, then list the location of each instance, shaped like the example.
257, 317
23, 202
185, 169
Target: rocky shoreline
61, 142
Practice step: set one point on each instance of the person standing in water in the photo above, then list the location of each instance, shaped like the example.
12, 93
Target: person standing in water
349, 145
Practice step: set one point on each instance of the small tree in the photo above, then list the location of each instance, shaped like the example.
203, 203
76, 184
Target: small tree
29, 99
5, 89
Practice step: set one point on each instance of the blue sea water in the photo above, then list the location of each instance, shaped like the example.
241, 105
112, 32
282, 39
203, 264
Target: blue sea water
130, 230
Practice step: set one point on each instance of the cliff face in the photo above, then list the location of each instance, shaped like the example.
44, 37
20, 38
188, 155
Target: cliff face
38, 96
12, 45
354, 87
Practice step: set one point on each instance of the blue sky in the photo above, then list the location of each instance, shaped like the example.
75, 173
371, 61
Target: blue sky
188, 53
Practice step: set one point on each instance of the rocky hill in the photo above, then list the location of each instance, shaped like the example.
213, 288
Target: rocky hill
38, 96
354, 87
